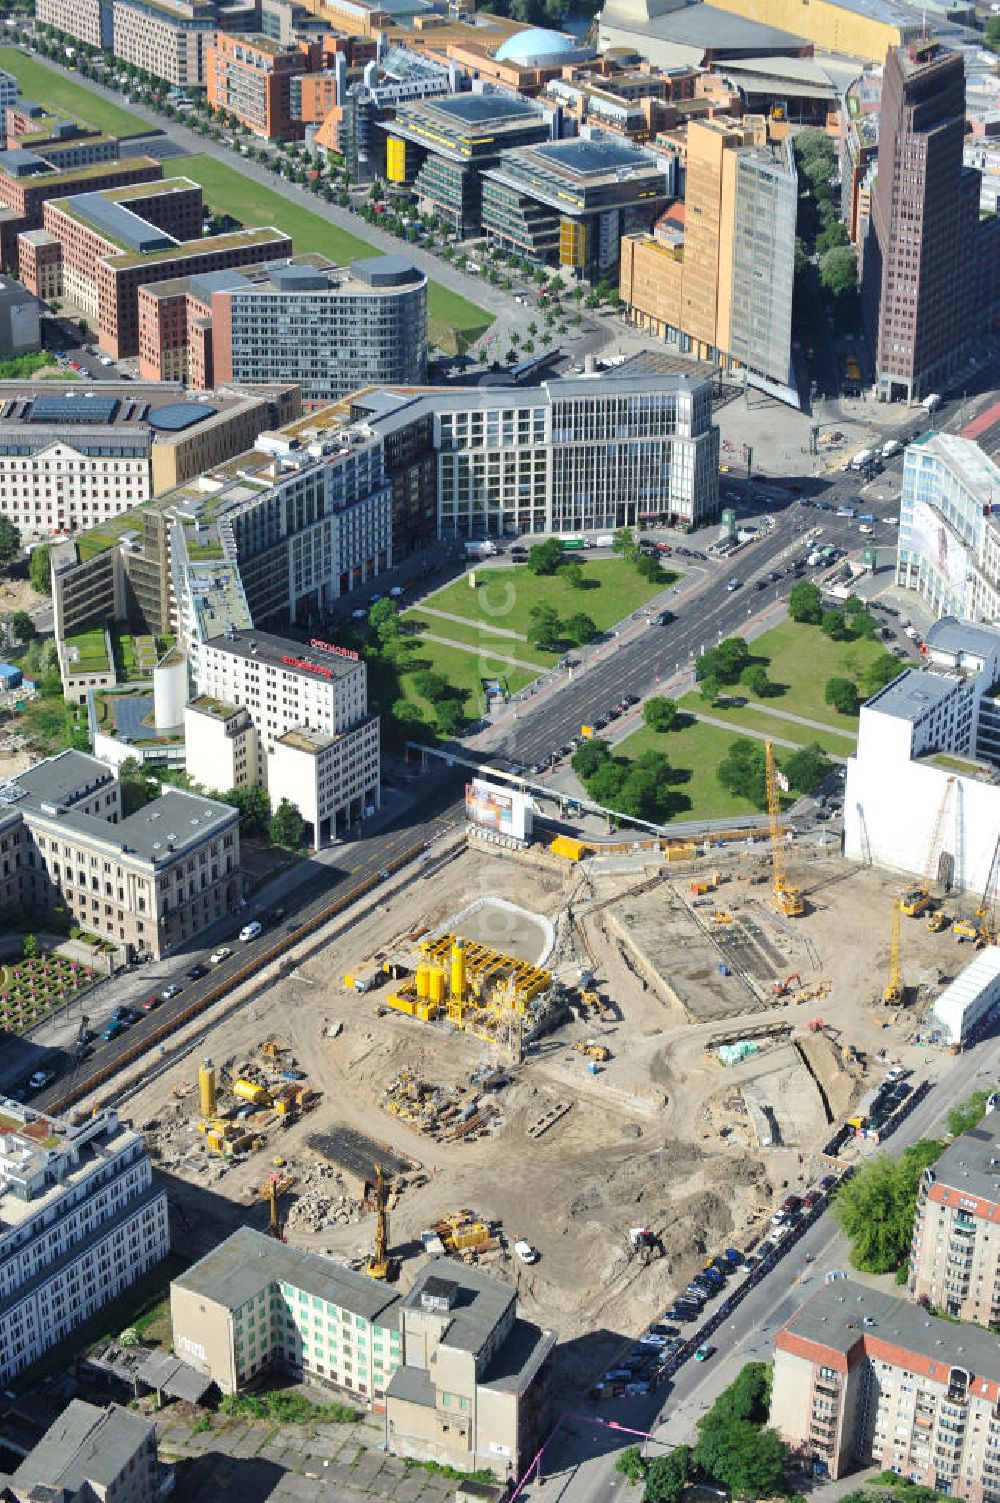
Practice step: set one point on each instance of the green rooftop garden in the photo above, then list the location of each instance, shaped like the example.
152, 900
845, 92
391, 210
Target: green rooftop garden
87, 652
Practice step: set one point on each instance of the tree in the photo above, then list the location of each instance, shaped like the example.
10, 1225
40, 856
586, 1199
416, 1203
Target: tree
756, 680
991, 34
842, 694
660, 713
545, 558
750, 1462
875, 1207
572, 573
733, 657
805, 603
647, 566
881, 672
138, 786
544, 627
833, 235
38, 569
23, 627
806, 768
588, 757
838, 272
624, 544
383, 618
606, 784
630, 1464
287, 827
580, 628
430, 685
666, 1476
451, 716
741, 771
30, 947
711, 688
10, 540
969, 1115
834, 624
254, 808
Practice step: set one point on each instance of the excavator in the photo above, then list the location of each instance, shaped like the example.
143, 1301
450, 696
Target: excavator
380, 1265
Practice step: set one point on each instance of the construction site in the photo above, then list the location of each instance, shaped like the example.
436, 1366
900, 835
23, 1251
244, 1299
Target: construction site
592, 1046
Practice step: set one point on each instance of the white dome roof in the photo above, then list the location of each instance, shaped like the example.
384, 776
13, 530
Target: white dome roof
537, 45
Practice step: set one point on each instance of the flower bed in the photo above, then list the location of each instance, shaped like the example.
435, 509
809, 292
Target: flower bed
30, 989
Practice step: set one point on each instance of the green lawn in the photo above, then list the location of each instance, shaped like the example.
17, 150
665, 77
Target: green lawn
801, 658
51, 88
481, 638
695, 749
228, 191
464, 670
840, 743
505, 597
93, 654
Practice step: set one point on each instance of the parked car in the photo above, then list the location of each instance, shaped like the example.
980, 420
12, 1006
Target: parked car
171, 991
41, 1079
525, 1251
114, 1028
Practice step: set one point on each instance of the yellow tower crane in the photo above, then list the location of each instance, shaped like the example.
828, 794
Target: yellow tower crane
378, 1265
986, 913
894, 991
917, 899
788, 898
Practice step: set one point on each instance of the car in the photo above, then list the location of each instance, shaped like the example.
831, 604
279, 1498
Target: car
652, 1339
734, 584
86, 1036
811, 1199
114, 1028
219, 955
250, 931
834, 1275
152, 1003
41, 1079
617, 1375
665, 618
702, 1353
526, 1252
630, 699
827, 1183
682, 1314
120, 1014
171, 991
196, 972
761, 584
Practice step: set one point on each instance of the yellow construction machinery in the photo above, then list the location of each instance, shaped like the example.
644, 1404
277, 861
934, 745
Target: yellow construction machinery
787, 898
600, 1052
986, 913
272, 1190
894, 991
722, 916
938, 920
917, 899
379, 1265
782, 988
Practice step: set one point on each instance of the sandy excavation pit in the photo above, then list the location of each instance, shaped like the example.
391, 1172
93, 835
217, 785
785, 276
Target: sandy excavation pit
662, 1135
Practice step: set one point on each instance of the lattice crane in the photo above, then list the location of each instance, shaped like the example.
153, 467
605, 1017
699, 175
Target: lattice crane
986, 913
894, 990
788, 898
917, 899
378, 1264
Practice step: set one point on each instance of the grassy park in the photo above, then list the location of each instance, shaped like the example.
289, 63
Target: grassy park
693, 750
800, 659
51, 88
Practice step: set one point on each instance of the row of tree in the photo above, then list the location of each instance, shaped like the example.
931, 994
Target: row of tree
284, 827
819, 226
639, 789
735, 1449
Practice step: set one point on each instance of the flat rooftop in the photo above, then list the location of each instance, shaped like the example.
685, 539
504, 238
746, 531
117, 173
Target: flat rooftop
916, 691
248, 1262
971, 1164
206, 245
479, 1302
843, 1315
952, 634
120, 167
280, 652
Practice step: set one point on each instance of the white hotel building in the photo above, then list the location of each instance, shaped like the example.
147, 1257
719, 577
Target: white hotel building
80, 1220
313, 740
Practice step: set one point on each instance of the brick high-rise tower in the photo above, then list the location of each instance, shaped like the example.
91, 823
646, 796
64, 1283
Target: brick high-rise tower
918, 279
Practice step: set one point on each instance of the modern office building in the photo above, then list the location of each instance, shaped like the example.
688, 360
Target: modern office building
863, 1378
716, 280
19, 326
90, 1453
907, 804
441, 147
955, 1254
919, 260
352, 122
8, 92
251, 76
146, 881
69, 463
949, 535
315, 744
80, 1221
462, 1379
27, 182
89, 21
570, 202
169, 38
864, 29
289, 317
114, 242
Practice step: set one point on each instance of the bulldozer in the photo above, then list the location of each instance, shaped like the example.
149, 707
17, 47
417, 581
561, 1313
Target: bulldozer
722, 916
938, 920
598, 1052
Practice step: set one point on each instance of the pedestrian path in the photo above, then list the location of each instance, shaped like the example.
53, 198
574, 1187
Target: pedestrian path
482, 651
815, 725
487, 628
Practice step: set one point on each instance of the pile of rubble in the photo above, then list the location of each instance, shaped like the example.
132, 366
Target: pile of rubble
445, 1113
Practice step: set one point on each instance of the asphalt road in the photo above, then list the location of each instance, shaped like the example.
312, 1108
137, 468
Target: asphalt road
579, 1463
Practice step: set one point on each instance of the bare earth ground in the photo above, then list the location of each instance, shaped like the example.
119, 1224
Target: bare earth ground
662, 1136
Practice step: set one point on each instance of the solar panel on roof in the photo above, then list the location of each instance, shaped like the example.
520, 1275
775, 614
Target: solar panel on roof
174, 417
72, 410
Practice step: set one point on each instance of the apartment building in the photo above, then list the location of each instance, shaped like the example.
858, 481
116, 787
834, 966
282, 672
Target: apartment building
115, 242
955, 1254
68, 463
89, 21
948, 550
919, 262
169, 38
863, 1378
716, 280
316, 744
462, 1379
80, 1221
251, 75
90, 1453
570, 202
146, 881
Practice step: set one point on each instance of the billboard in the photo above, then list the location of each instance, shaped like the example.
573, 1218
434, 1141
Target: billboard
932, 538
502, 810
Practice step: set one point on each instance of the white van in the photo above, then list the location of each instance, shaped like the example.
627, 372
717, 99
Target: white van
251, 931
